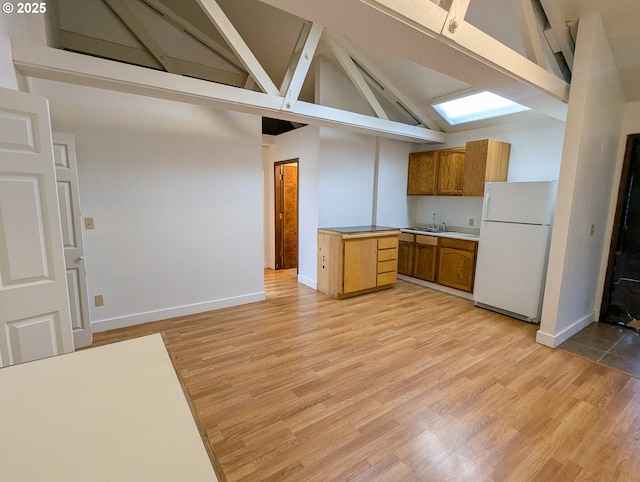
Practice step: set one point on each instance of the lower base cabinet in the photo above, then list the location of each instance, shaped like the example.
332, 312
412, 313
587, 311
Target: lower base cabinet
424, 266
446, 261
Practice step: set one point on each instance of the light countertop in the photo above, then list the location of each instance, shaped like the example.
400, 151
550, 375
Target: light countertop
445, 234
111, 413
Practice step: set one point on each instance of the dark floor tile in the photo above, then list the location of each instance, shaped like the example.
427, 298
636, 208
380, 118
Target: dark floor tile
627, 364
628, 346
611, 345
583, 349
600, 335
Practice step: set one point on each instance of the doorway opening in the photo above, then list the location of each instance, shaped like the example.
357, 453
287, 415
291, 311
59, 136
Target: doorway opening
621, 299
286, 214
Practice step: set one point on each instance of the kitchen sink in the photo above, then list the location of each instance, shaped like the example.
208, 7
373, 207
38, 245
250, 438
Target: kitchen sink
429, 230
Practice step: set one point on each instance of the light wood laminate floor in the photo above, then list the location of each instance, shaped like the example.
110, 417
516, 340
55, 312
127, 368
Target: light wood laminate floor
405, 384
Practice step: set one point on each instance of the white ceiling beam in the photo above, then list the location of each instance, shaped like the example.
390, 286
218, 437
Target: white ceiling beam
238, 45
180, 23
63, 66
467, 54
356, 77
382, 79
292, 85
561, 30
140, 32
457, 11
529, 31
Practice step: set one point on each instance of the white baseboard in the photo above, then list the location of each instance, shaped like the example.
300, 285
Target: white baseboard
308, 282
553, 341
157, 315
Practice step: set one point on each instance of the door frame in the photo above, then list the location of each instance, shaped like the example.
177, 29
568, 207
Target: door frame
278, 193
623, 192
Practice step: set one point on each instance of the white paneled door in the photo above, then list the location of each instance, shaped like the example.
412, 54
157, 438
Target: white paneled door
64, 155
35, 320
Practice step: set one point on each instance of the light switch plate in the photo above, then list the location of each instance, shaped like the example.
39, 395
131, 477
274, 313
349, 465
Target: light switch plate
88, 223
99, 300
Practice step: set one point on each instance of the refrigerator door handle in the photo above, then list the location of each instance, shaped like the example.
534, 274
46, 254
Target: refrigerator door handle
485, 204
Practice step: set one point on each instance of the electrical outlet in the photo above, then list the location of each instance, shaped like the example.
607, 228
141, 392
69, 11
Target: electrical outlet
99, 300
88, 223
471, 222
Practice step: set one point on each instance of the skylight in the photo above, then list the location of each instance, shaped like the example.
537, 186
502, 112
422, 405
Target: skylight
476, 106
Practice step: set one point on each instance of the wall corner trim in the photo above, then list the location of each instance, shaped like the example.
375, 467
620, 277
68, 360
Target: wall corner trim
554, 340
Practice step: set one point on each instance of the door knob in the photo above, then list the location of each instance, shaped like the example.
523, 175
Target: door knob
81, 258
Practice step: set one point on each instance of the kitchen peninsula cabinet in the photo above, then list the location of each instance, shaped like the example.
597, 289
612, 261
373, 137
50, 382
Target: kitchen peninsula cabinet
460, 171
356, 260
457, 263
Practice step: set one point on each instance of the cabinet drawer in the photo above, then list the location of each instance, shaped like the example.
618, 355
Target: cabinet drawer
458, 244
408, 237
387, 254
387, 278
388, 242
429, 240
384, 266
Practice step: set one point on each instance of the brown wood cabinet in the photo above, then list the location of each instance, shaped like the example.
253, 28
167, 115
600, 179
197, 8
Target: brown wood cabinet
457, 263
451, 169
426, 253
486, 160
405, 253
458, 171
422, 173
352, 263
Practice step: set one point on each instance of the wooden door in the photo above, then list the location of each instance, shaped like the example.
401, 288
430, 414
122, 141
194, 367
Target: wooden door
35, 321
286, 203
422, 173
64, 155
360, 264
451, 172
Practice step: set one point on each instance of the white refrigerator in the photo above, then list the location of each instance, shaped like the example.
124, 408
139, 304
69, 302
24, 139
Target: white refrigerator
515, 231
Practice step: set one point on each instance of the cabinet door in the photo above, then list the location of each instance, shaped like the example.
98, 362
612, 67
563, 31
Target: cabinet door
422, 173
360, 264
405, 257
456, 268
424, 266
485, 160
451, 172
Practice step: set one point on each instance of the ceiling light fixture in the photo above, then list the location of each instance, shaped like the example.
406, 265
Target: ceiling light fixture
475, 106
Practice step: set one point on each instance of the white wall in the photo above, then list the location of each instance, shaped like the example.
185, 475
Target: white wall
590, 160
346, 176
176, 194
392, 204
301, 144
11, 27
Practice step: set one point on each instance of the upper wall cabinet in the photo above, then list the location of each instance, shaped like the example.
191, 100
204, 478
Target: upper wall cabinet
451, 167
423, 170
486, 161
458, 171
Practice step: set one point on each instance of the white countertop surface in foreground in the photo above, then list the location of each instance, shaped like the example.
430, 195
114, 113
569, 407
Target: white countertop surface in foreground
112, 413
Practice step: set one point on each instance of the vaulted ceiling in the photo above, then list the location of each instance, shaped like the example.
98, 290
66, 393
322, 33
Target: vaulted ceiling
197, 38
